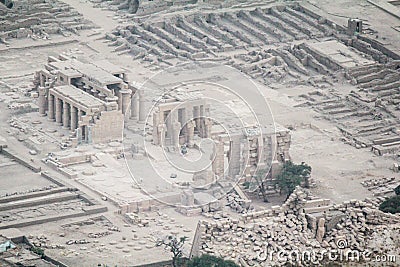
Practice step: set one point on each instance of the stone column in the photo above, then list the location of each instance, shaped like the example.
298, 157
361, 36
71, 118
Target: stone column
202, 122
50, 112
42, 101
126, 102
156, 131
207, 127
58, 111
176, 129
142, 109
135, 106
80, 112
41, 79
190, 133
189, 127
125, 77
84, 133
74, 123
196, 117
79, 134
218, 158
88, 138
169, 121
65, 115
234, 156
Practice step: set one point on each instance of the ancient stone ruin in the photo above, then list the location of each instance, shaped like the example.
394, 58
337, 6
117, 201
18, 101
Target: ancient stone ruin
264, 133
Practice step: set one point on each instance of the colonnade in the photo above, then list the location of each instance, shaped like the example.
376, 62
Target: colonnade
65, 114
172, 124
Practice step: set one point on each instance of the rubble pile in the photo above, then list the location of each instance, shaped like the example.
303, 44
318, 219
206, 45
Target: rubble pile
363, 223
377, 182
238, 204
39, 19
259, 236
381, 186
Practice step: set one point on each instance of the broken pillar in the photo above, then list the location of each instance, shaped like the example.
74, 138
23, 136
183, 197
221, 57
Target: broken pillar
354, 26
125, 102
218, 159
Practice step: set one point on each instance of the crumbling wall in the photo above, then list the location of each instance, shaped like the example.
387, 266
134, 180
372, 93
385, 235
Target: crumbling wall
108, 127
285, 229
378, 46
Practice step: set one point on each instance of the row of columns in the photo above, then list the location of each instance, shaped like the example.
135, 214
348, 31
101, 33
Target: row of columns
132, 106
170, 127
63, 112
234, 155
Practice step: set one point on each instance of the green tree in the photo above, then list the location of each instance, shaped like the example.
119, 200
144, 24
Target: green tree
210, 261
174, 245
260, 179
397, 190
293, 175
391, 205
38, 251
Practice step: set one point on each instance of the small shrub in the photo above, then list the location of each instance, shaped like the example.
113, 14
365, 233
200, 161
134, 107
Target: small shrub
38, 251
391, 205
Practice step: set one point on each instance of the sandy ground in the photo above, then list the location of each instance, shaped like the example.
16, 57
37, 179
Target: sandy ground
338, 169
